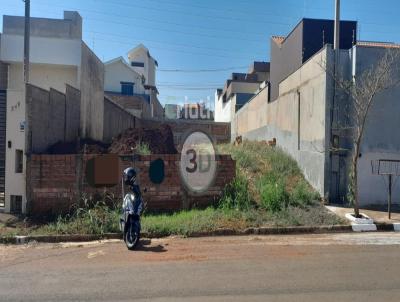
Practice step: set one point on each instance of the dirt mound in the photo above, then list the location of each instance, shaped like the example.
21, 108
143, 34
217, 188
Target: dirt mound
86, 146
160, 140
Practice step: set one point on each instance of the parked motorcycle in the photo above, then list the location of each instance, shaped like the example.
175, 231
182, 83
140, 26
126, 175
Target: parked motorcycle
132, 206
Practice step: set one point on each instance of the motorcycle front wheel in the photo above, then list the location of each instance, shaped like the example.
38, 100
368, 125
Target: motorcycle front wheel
132, 234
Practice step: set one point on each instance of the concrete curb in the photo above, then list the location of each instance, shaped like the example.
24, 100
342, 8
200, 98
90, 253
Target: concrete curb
56, 238
383, 227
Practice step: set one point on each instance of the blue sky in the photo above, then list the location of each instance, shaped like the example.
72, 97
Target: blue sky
195, 37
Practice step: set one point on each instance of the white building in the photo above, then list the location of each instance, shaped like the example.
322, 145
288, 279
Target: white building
239, 90
58, 56
120, 77
132, 84
143, 63
172, 111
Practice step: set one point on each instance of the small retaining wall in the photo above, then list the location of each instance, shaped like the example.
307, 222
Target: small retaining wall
58, 181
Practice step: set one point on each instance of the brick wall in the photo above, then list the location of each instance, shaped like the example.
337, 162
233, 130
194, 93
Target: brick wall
57, 182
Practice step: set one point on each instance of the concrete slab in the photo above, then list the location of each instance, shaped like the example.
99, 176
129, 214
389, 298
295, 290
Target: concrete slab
396, 227
363, 227
377, 213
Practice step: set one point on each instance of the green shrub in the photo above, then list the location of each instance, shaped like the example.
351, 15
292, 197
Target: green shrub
302, 195
236, 195
98, 218
273, 194
246, 160
180, 223
282, 163
143, 149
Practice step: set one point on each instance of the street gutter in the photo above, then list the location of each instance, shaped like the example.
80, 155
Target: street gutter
387, 227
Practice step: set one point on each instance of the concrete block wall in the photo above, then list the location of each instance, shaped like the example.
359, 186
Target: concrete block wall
53, 116
92, 94
116, 119
158, 109
298, 119
58, 181
72, 113
136, 104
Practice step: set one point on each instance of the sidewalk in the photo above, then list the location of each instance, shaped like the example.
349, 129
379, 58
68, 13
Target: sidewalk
378, 213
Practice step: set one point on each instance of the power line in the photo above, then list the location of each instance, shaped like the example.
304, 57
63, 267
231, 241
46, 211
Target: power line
248, 58
188, 88
202, 70
179, 32
220, 17
247, 12
162, 22
216, 29
175, 31
163, 43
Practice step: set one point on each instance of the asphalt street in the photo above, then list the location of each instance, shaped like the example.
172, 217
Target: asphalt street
336, 267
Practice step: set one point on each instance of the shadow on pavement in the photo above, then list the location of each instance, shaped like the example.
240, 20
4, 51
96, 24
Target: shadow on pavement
144, 246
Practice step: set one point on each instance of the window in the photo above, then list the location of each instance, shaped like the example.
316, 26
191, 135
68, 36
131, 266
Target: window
19, 161
16, 204
137, 64
127, 88
2, 200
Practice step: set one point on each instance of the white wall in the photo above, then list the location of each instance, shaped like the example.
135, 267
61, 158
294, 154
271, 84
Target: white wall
42, 50
118, 72
15, 182
244, 87
222, 111
44, 76
151, 72
141, 55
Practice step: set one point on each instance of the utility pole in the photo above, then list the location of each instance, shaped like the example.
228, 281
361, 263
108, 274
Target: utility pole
334, 108
27, 34
336, 42
28, 132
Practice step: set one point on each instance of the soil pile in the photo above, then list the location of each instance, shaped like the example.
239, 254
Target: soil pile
160, 140
86, 146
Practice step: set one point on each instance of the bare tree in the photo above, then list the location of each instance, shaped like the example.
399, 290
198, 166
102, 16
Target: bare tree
361, 91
